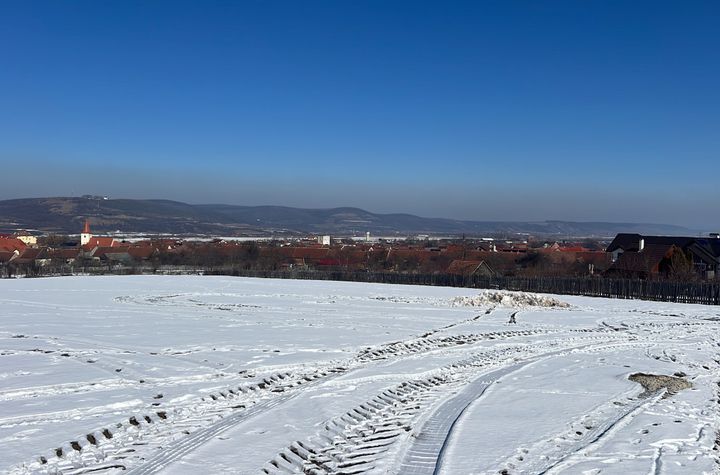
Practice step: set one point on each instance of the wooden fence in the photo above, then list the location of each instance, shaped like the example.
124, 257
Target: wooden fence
707, 293
665, 291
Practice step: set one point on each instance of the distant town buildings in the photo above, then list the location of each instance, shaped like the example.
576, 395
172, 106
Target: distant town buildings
628, 256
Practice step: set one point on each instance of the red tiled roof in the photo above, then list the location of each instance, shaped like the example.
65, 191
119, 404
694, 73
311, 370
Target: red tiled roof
63, 253
101, 251
32, 253
99, 242
12, 244
5, 256
141, 252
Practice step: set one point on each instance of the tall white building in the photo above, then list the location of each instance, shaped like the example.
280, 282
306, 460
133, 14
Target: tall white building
85, 235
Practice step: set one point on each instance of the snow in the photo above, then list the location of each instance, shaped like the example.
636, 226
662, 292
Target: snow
188, 374
508, 299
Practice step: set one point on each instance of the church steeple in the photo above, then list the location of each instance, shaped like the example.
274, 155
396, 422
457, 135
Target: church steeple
86, 235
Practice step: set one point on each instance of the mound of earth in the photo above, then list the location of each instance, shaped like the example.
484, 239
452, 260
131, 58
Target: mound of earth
655, 382
508, 299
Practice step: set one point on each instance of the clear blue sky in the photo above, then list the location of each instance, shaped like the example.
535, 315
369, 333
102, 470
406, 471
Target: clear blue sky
513, 110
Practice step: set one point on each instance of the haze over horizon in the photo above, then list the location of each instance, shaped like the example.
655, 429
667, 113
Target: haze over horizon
488, 111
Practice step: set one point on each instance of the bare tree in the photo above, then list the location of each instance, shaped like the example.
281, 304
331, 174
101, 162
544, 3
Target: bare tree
681, 267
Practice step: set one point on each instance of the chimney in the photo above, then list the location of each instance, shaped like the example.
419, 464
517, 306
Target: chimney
641, 245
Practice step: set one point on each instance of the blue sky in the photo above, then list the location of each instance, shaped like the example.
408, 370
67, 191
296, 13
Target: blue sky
506, 110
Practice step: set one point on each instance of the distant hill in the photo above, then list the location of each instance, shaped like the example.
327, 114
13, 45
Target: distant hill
66, 215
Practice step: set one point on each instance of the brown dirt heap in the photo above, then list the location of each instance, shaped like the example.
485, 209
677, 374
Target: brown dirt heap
655, 382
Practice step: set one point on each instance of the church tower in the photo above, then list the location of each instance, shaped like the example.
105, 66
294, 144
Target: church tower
85, 236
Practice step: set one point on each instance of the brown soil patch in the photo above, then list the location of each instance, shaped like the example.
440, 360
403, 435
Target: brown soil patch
655, 382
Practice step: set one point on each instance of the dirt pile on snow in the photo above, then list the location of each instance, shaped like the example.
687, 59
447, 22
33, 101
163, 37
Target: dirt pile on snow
655, 382
508, 299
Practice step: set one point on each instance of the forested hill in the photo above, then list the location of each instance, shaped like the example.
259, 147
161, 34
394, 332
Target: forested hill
66, 215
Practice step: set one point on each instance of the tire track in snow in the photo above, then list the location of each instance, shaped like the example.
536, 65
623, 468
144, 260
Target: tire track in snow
426, 453
356, 441
199, 437
117, 445
217, 405
425, 456
597, 437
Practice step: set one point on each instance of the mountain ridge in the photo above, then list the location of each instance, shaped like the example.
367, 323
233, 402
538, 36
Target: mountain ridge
66, 215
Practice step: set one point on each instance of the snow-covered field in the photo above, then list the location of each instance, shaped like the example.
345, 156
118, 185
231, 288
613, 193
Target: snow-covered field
186, 375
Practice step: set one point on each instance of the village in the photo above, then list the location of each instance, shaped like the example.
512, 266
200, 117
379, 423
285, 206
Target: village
627, 256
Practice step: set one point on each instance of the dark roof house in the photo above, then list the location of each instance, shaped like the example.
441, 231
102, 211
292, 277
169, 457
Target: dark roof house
635, 255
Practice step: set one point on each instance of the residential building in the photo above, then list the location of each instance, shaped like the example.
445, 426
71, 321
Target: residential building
635, 255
